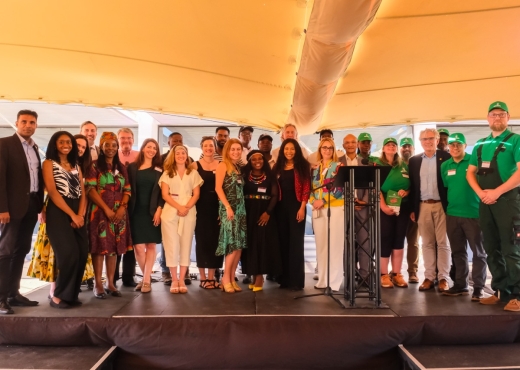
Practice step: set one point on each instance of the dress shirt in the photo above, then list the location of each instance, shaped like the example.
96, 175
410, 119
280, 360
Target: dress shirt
429, 187
93, 152
32, 161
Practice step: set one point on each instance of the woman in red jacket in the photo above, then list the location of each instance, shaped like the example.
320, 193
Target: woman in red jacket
293, 173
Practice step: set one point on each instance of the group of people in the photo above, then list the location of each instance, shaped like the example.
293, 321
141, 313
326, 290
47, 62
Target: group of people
248, 206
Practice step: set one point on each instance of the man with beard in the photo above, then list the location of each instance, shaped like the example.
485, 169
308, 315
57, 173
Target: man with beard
412, 232
443, 139
125, 138
89, 130
496, 160
265, 144
174, 139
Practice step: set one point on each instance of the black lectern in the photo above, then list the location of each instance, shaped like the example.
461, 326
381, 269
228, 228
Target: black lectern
369, 178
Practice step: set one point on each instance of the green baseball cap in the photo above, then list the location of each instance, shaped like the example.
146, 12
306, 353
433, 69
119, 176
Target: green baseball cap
406, 141
457, 137
389, 140
498, 105
364, 136
443, 131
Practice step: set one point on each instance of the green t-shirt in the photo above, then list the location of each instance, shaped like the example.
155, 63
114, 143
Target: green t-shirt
462, 200
398, 178
506, 160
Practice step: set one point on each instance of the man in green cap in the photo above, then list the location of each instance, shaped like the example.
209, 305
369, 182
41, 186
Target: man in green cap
462, 223
364, 144
493, 174
412, 232
443, 139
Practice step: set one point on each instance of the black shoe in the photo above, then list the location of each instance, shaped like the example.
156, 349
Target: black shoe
187, 281
130, 283
62, 304
90, 284
20, 300
477, 295
114, 293
270, 277
100, 296
5, 308
246, 280
77, 302
453, 292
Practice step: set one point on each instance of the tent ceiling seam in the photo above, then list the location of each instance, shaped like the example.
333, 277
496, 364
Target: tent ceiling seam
427, 84
450, 13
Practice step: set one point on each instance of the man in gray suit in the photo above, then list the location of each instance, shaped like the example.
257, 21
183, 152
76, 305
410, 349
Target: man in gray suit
350, 144
21, 199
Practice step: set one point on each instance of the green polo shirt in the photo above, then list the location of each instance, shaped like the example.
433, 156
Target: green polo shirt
506, 160
462, 200
398, 178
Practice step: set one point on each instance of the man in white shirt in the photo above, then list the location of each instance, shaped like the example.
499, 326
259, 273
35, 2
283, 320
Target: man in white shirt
125, 137
89, 130
289, 131
245, 134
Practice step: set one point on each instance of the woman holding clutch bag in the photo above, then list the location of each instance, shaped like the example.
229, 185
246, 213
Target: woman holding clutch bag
394, 218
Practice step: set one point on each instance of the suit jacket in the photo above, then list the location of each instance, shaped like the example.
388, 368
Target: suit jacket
414, 168
156, 197
15, 180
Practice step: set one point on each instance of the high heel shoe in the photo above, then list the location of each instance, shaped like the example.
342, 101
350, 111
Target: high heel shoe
251, 286
174, 288
258, 288
236, 287
228, 288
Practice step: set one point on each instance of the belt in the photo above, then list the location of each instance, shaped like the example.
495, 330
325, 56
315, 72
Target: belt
266, 197
430, 201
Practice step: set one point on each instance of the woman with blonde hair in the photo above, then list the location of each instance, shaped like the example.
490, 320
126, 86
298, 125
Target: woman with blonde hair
180, 187
232, 212
327, 199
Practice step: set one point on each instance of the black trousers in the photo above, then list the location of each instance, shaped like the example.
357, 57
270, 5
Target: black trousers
128, 267
15, 243
393, 230
70, 247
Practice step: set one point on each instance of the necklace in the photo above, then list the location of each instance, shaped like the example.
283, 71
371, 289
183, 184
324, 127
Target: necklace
257, 179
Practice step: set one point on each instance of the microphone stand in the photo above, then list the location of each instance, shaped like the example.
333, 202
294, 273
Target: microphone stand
328, 290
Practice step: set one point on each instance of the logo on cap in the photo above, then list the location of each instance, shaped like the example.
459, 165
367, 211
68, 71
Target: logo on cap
366, 135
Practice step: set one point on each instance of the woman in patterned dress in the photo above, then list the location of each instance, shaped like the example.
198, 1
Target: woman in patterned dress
66, 212
232, 212
109, 190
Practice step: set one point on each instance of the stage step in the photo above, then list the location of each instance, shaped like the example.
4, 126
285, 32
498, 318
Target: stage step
458, 357
42, 357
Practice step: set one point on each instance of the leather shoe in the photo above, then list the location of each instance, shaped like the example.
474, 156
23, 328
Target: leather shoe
20, 300
5, 308
62, 304
443, 285
426, 285
130, 283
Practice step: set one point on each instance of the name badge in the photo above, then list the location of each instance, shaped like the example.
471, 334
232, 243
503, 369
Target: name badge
406, 175
262, 190
486, 164
158, 169
324, 172
74, 172
451, 172
239, 181
174, 195
116, 172
214, 172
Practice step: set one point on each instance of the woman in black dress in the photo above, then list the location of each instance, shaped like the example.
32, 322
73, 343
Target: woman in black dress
262, 255
293, 172
207, 228
145, 208
65, 217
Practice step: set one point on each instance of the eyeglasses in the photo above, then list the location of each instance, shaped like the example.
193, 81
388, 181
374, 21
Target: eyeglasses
456, 145
327, 147
428, 138
496, 115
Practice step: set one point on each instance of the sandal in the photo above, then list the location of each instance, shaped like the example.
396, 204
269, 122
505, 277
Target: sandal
174, 288
203, 284
182, 288
228, 288
146, 288
211, 284
236, 287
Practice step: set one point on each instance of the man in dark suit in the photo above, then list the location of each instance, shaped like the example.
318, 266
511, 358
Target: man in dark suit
429, 201
21, 199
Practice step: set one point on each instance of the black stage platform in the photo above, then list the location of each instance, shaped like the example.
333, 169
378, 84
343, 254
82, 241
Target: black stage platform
269, 329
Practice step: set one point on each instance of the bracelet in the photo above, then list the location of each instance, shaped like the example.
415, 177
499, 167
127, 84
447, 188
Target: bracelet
123, 204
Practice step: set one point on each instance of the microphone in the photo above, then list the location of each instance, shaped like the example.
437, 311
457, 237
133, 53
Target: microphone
368, 162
